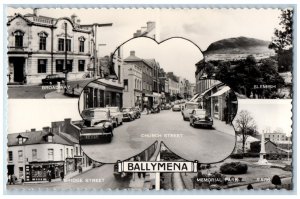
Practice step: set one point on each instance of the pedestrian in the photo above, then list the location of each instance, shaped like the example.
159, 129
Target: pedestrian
13, 178
249, 187
62, 175
49, 175
80, 169
9, 179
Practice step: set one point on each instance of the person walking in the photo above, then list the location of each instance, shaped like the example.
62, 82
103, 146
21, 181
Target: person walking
62, 175
49, 175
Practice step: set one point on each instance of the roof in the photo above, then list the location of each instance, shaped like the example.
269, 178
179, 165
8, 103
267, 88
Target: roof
150, 62
35, 137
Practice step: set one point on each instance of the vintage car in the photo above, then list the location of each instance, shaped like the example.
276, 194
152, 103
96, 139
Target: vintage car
176, 107
53, 79
101, 131
116, 115
92, 115
199, 117
128, 114
187, 110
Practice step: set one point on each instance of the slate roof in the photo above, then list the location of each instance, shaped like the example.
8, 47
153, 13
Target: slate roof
35, 137
132, 58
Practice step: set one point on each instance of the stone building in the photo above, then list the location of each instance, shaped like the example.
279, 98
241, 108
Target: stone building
148, 31
39, 46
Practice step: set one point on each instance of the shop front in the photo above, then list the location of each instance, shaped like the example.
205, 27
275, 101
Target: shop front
147, 101
37, 171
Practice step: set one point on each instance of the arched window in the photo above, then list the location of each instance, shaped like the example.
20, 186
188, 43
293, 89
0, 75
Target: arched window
18, 38
81, 43
43, 40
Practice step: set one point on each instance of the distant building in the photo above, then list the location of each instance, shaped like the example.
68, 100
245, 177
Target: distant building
147, 78
275, 136
132, 81
31, 154
148, 31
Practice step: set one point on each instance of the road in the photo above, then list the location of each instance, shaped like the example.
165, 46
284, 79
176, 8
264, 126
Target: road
97, 178
36, 91
204, 145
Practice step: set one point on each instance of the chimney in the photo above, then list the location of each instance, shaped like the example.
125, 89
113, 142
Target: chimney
132, 53
68, 121
35, 11
138, 32
150, 25
32, 130
46, 129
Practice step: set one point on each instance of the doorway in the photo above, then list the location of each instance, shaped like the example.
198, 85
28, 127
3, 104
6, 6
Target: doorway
17, 69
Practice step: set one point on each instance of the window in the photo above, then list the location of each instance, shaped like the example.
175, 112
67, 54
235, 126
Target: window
81, 64
50, 138
81, 46
20, 155
61, 44
67, 152
119, 73
68, 45
72, 153
34, 154
43, 40
69, 66
50, 154
42, 65
125, 84
20, 140
59, 65
19, 39
10, 156
61, 154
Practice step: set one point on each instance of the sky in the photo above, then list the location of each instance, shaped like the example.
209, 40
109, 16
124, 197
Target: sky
25, 114
269, 113
201, 26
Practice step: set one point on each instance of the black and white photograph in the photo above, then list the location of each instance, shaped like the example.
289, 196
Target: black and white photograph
91, 89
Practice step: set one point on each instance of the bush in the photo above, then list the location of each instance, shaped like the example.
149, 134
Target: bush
234, 168
237, 156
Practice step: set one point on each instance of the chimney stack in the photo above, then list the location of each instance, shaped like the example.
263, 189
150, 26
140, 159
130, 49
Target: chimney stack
32, 130
132, 53
46, 129
35, 11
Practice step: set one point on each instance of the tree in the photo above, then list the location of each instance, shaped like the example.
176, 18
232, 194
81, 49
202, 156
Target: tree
282, 41
276, 181
245, 126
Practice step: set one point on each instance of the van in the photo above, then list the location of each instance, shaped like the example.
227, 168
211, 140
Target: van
187, 109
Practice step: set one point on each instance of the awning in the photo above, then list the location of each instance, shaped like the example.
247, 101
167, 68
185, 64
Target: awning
221, 92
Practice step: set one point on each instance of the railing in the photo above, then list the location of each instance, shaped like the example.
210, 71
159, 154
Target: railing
42, 20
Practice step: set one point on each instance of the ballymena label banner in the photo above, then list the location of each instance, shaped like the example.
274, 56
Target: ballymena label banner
157, 166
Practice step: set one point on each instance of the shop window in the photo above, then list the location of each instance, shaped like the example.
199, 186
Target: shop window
20, 155
34, 154
42, 65
95, 98
72, 153
81, 64
59, 65
50, 154
126, 85
19, 39
61, 44
10, 156
119, 73
68, 45
67, 151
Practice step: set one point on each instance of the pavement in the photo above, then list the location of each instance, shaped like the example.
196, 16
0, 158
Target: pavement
204, 145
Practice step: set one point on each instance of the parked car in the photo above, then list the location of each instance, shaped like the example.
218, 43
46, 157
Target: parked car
93, 115
199, 117
53, 79
116, 115
101, 131
187, 110
176, 107
128, 113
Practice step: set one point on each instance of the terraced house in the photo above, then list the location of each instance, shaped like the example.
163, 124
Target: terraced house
40, 45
